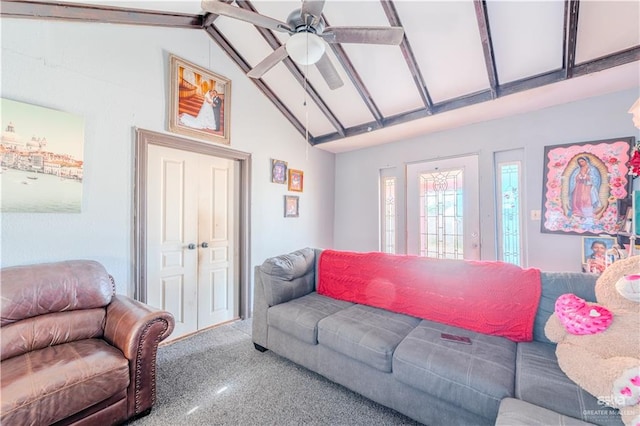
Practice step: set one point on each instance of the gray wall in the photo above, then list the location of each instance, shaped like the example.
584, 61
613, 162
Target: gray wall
356, 202
116, 77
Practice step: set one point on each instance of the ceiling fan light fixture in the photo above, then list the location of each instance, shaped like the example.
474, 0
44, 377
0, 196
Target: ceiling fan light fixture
305, 48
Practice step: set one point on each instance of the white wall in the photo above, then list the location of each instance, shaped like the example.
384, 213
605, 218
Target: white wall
356, 225
116, 77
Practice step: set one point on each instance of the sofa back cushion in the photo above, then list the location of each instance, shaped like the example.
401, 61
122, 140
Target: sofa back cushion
555, 284
289, 276
50, 329
29, 291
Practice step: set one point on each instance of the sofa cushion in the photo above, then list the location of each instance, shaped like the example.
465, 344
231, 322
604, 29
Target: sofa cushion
554, 285
540, 381
288, 276
47, 385
28, 291
476, 376
367, 334
300, 316
50, 329
515, 412
289, 266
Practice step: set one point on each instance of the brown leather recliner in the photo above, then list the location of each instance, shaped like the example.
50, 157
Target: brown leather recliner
74, 352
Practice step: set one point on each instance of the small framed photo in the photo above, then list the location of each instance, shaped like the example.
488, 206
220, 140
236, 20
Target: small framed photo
296, 178
200, 102
278, 171
597, 253
291, 206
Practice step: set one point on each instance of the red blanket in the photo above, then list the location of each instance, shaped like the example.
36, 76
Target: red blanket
488, 297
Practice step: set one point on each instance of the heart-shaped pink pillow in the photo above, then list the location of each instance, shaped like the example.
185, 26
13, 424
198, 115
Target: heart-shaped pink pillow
579, 318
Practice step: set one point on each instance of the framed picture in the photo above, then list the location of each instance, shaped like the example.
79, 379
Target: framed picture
200, 102
595, 258
42, 153
296, 178
291, 206
582, 184
278, 171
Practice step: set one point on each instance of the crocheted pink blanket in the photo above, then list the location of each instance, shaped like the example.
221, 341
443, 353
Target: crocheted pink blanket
485, 296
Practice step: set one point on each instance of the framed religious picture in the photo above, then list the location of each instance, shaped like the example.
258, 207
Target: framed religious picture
291, 206
278, 171
597, 253
199, 104
582, 185
296, 178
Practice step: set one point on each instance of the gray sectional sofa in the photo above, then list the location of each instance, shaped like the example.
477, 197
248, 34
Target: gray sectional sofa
401, 361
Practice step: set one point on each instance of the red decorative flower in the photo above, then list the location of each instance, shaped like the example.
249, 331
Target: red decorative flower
613, 160
634, 164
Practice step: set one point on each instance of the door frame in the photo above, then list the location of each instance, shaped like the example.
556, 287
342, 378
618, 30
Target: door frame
143, 139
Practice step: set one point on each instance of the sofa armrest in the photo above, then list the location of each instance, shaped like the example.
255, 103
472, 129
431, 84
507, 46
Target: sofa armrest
136, 329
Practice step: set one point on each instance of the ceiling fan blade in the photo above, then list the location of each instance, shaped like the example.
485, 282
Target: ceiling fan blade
219, 7
312, 8
329, 73
367, 35
269, 62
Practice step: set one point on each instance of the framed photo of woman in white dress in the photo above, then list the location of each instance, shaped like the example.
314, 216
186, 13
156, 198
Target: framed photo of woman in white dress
582, 185
200, 102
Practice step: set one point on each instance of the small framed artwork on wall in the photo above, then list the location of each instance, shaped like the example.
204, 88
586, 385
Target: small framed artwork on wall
296, 178
291, 206
278, 171
594, 253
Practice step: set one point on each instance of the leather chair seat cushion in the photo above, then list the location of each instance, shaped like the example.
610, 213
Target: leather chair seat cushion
476, 376
300, 316
50, 384
367, 334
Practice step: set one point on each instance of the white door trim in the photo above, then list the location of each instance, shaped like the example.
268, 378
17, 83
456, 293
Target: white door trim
144, 138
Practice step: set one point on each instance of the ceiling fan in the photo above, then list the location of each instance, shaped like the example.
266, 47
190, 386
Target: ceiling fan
309, 36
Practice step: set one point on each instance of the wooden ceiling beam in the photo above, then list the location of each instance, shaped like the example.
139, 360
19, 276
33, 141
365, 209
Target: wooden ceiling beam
599, 64
355, 78
407, 52
571, 9
92, 13
482, 17
274, 43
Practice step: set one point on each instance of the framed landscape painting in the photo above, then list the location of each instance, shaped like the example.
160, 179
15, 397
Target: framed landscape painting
582, 185
42, 159
199, 104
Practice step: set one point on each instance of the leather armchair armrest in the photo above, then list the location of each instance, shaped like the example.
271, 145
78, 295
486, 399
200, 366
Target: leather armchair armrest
136, 329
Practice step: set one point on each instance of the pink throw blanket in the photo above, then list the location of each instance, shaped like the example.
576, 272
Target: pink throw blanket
485, 296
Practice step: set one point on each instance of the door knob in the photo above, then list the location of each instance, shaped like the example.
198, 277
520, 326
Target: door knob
191, 246
205, 245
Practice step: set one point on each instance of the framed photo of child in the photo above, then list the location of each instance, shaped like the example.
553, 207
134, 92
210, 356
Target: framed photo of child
595, 258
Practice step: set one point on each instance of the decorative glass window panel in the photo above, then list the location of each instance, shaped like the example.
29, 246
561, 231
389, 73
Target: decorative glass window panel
388, 204
509, 213
441, 214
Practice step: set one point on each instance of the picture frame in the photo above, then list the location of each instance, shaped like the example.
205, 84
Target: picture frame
291, 206
296, 180
44, 171
582, 183
279, 171
200, 102
595, 258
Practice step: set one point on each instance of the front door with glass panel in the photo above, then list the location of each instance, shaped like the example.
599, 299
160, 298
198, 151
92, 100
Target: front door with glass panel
443, 208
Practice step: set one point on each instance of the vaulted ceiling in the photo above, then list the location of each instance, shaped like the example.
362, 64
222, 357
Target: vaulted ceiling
459, 62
